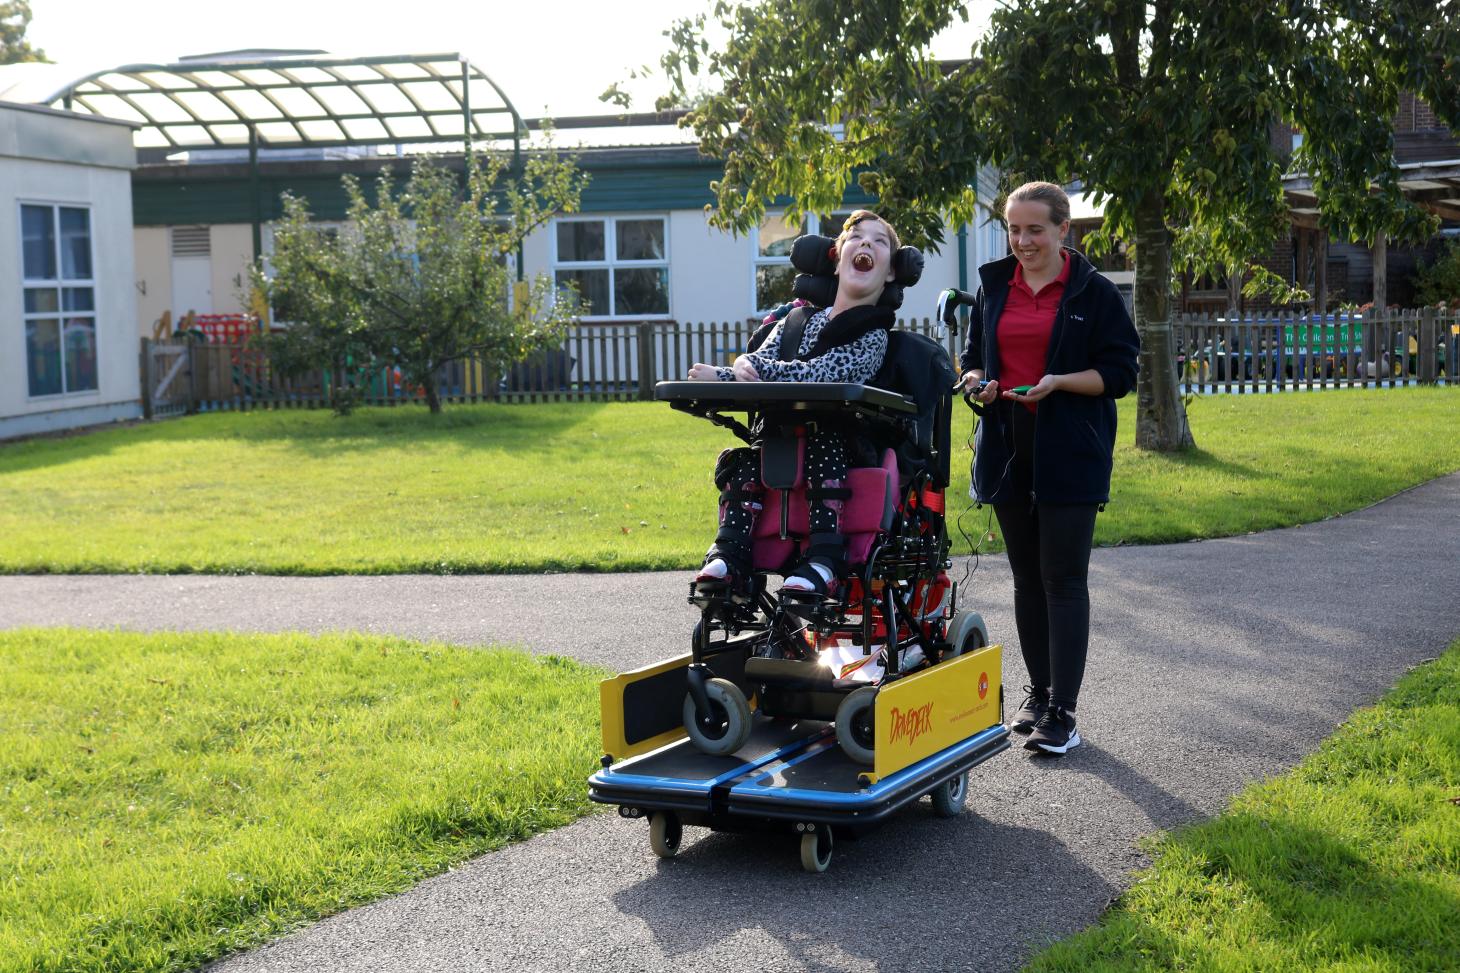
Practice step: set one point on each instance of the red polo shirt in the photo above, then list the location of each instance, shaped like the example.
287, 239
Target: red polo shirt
1025, 326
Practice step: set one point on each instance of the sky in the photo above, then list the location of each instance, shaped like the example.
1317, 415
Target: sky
551, 57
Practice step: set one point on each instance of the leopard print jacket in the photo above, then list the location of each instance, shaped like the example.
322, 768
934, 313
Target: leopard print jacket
856, 361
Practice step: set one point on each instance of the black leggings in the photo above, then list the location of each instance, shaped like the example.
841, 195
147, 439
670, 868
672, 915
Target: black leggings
1049, 556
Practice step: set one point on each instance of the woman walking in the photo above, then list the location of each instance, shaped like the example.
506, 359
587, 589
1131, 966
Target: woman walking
1053, 343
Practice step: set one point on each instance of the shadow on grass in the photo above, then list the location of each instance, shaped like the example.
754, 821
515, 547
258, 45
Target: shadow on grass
318, 433
1275, 894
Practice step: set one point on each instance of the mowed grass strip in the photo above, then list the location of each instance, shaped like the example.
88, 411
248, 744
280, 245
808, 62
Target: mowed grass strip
167, 799
1349, 862
616, 486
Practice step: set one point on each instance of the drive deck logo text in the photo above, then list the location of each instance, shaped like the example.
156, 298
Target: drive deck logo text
911, 723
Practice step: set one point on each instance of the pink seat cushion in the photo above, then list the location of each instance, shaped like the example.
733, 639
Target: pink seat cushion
868, 511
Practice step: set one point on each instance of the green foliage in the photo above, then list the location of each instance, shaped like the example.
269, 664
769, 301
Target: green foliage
420, 278
1438, 282
613, 487
1167, 112
166, 799
14, 48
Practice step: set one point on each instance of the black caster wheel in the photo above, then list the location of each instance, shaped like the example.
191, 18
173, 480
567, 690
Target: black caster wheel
816, 849
948, 797
665, 833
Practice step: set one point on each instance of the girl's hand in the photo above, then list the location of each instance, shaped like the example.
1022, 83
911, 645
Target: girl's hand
744, 371
1048, 384
700, 372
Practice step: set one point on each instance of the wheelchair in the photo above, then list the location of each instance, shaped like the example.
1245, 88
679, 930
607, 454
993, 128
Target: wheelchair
805, 657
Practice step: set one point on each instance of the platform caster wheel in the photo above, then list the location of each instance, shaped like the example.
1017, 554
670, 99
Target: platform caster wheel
854, 727
726, 727
665, 833
816, 849
948, 797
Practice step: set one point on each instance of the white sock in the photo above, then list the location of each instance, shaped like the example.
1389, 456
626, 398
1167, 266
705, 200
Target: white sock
803, 584
715, 569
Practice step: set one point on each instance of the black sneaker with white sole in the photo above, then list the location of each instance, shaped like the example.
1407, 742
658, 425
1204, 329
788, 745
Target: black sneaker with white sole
1054, 732
1036, 701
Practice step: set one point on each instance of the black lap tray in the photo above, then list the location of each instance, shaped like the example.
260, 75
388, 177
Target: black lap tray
758, 396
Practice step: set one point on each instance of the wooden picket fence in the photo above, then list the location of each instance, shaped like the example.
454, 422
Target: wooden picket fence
618, 362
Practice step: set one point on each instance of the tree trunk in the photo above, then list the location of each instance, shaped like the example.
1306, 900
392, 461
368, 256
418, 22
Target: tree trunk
1381, 271
433, 394
1160, 417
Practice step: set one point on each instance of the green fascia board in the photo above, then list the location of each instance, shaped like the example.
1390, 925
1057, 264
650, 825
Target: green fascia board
643, 180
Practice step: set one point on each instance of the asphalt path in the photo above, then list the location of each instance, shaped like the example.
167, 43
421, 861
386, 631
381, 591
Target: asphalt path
1212, 665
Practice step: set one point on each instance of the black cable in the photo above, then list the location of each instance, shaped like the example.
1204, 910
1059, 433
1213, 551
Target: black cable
977, 549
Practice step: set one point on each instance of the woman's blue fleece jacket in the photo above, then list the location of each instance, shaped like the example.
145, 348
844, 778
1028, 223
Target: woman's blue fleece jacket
1074, 434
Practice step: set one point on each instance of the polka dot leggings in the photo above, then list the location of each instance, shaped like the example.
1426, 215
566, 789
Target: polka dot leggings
826, 465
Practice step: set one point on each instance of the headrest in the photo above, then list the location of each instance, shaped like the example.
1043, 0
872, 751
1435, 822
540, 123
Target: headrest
811, 254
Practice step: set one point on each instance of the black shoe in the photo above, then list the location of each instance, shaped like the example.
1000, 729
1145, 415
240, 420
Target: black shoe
1054, 732
1036, 701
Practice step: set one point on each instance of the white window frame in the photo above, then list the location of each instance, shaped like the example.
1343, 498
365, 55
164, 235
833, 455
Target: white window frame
826, 226
759, 260
59, 285
610, 263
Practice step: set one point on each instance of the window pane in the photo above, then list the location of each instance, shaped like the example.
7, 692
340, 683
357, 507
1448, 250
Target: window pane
78, 299
43, 356
39, 300
776, 237
773, 285
80, 354
641, 290
592, 287
832, 225
580, 240
75, 243
38, 241
640, 239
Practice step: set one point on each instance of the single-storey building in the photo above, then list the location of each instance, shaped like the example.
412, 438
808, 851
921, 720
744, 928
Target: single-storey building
68, 309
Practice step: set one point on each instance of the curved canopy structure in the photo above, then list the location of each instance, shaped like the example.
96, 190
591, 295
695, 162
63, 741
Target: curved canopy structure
293, 102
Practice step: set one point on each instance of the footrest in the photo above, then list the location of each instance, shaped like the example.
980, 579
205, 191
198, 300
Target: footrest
790, 674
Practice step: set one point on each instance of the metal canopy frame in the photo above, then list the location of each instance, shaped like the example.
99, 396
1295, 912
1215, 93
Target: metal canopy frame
292, 102
295, 102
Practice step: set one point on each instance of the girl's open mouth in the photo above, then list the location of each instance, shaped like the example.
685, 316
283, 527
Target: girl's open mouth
863, 262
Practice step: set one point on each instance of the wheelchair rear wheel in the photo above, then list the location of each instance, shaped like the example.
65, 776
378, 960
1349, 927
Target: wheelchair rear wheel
726, 727
965, 634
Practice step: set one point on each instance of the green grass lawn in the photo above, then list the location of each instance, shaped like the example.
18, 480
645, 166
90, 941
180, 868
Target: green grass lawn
166, 799
616, 486
1351, 862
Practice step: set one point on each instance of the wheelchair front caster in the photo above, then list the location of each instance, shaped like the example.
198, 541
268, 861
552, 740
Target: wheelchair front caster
816, 849
855, 730
665, 833
724, 726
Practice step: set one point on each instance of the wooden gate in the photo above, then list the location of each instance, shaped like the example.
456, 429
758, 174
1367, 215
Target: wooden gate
167, 378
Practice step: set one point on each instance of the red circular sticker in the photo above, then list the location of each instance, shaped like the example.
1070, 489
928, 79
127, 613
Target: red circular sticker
983, 684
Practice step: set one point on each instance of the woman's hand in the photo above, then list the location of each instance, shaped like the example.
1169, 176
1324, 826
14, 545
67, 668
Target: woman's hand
700, 372
1046, 385
970, 381
744, 371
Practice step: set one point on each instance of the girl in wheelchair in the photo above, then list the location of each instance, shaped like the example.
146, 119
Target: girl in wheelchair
845, 342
